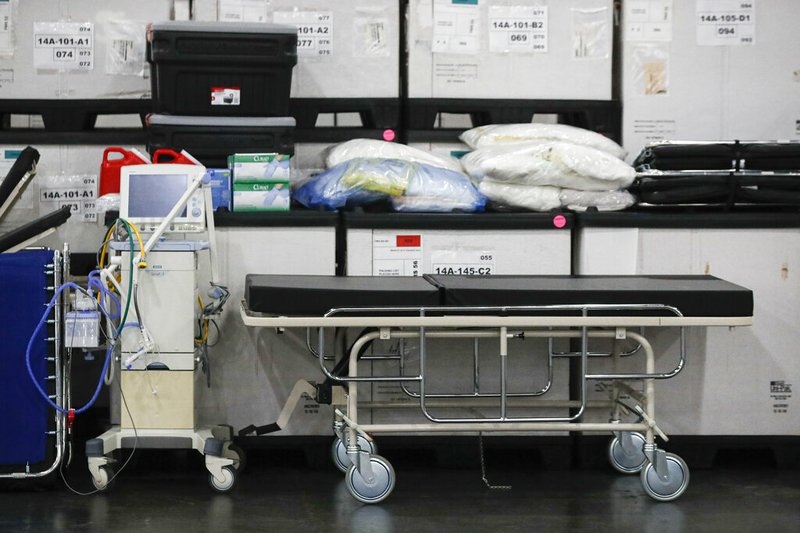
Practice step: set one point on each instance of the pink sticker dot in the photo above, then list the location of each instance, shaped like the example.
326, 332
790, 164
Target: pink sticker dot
559, 221
389, 135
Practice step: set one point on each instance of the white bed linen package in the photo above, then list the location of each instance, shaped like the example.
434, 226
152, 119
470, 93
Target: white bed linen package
546, 198
375, 149
600, 200
558, 164
535, 198
502, 134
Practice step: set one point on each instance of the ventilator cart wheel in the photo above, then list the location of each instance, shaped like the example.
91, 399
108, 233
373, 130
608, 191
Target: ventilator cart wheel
339, 451
627, 461
232, 451
381, 486
228, 480
105, 480
673, 487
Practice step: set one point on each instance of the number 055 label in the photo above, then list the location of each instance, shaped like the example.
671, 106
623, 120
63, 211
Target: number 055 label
63, 45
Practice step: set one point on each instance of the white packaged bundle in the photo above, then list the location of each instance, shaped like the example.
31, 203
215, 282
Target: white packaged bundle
503, 134
602, 201
372, 148
528, 197
557, 164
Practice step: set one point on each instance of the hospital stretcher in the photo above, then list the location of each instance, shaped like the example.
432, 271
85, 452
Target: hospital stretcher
502, 309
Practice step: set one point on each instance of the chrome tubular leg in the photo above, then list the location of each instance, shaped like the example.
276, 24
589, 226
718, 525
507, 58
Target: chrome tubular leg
503, 372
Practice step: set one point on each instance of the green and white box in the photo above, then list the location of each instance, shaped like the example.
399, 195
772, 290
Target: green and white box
259, 167
260, 196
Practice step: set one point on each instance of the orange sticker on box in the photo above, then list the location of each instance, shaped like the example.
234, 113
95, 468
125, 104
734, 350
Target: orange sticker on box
409, 241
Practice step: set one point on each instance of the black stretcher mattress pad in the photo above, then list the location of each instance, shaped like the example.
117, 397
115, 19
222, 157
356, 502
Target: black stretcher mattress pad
692, 295
316, 295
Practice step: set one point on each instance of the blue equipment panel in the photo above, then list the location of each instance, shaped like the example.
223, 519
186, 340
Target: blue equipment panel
23, 296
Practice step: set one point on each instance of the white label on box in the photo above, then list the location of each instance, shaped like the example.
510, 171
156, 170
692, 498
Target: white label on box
370, 39
463, 262
126, 47
6, 34
648, 20
456, 26
243, 10
447, 74
780, 393
655, 129
6, 77
726, 22
226, 96
518, 29
314, 31
396, 254
592, 31
78, 192
63, 45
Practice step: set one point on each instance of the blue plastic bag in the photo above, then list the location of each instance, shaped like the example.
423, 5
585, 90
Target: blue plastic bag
411, 186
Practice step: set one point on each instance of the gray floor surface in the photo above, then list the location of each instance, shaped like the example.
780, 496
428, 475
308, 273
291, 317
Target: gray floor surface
281, 493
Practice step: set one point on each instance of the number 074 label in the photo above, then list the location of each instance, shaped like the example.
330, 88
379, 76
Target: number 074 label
63, 45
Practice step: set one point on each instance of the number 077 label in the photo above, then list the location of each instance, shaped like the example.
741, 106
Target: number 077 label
314, 31
63, 45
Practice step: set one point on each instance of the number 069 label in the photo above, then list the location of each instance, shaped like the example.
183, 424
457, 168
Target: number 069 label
63, 45
518, 29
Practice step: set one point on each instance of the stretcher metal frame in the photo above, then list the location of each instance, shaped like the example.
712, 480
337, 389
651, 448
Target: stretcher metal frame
370, 478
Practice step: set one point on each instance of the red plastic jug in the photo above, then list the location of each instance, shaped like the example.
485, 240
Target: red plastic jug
167, 156
114, 158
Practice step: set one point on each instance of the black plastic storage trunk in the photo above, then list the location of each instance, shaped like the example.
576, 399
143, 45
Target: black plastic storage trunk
221, 69
212, 139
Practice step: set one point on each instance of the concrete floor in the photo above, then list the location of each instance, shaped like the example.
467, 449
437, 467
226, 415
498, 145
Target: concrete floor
168, 491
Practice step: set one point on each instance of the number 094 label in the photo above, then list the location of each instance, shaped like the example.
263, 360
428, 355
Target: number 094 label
726, 22
63, 45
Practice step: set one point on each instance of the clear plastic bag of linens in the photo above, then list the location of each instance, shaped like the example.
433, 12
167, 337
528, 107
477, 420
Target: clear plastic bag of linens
375, 149
363, 181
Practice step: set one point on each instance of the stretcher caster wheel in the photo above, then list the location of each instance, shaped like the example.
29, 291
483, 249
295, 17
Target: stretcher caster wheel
105, 480
227, 483
232, 451
665, 491
381, 486
339, 451
627, 461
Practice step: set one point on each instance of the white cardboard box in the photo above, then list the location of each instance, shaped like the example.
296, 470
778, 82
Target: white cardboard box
254, 369
727, 386
747, 92
463, 54
116, 25
360, 60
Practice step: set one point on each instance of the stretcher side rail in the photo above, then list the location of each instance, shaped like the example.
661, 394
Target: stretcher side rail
253, 319
583, 320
